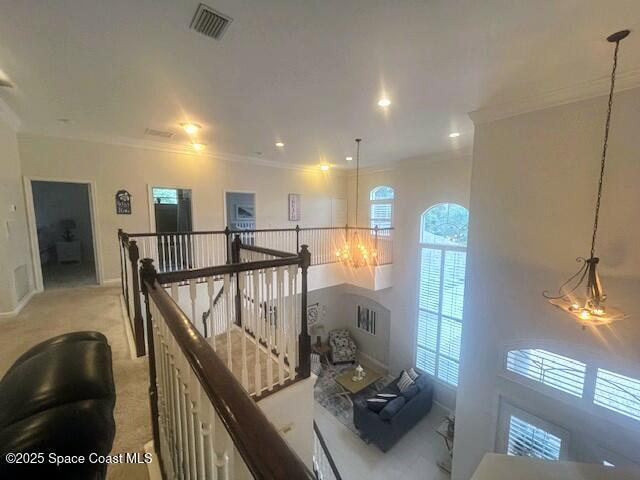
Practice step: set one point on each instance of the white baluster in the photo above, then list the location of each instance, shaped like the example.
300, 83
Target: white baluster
256, 310
268, 321
279, 320
243, 316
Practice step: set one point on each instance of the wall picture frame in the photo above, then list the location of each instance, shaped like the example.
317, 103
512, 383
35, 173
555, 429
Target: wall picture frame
123, 202
312, 314
245, 212
366, 320
294, 207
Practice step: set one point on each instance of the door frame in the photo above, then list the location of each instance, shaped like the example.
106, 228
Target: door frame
33, 228
151, 209
224, 204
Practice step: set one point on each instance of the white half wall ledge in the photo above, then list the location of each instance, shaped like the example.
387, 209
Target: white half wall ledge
23, 303
561, 96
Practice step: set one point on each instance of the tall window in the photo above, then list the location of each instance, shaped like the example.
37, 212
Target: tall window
381, 210
443, 255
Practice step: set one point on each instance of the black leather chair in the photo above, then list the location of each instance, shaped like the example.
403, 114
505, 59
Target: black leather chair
58, 398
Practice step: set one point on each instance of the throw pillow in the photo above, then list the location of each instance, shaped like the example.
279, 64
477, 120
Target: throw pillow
388, 396
410, 392
404, 381
376, 404
392, 408
413, 374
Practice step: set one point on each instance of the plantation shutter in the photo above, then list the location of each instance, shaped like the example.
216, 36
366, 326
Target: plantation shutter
530, 441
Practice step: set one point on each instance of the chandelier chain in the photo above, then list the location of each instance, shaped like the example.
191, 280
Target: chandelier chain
604, 148
357, 178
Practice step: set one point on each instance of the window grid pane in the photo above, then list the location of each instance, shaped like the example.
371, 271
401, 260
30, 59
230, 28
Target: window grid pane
556, 371
530, 441
618, 393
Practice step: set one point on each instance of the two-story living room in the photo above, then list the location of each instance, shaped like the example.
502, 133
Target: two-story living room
284, 239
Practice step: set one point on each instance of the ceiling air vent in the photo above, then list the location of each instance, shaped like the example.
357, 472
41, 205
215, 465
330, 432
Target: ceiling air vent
210, 22
158, 133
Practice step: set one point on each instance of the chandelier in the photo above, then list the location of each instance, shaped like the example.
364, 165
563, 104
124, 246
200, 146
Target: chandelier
590, 309
355, 252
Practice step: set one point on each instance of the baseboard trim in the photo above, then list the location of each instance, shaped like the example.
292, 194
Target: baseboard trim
111, 281
127, 329
21, 304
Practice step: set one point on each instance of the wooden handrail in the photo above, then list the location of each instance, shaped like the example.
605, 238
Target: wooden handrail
264, 451
182, 275
267, 251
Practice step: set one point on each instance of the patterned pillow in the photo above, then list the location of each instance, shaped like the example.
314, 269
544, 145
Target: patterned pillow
376, 404
413, 374
404, 382
388, 396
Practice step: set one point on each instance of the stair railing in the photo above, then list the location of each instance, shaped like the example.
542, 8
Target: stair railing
205, 425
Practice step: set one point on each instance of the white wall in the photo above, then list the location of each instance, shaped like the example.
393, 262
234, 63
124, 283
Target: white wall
419, 184
532, 197
338, 309
14, 245
115, 167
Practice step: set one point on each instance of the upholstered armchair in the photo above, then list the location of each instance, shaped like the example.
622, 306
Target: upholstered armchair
343, 348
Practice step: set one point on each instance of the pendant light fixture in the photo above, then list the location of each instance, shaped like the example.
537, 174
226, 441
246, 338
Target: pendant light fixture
590, 309
355, 252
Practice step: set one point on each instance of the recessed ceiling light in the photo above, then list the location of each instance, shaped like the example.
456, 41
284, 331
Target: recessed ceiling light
279, 144
198, 147
190, 128
324, 167
454, 134
348, 159
384, 102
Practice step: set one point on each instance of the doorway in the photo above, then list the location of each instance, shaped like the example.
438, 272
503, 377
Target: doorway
240, 210
173, 213
65, 237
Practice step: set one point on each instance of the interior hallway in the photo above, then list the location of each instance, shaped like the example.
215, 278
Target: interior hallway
89, 308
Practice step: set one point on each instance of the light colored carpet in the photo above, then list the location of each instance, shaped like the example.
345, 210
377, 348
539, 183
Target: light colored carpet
68, 275
61, 311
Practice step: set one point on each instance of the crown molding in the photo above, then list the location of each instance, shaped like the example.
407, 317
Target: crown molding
178, 149
9, 116
462, 153
561, 96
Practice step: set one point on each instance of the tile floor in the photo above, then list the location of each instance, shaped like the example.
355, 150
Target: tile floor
415, 456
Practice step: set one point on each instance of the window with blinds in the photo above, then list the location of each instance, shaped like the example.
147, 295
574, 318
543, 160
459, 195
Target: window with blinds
618, 393
441, 295
527, 440
556, 371
165, 195
381, 208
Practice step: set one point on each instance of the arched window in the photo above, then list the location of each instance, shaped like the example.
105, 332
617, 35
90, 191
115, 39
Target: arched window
443, 255
381, 210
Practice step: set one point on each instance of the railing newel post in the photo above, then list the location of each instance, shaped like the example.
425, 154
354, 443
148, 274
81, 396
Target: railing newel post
235, 256
120, 232
304, 340
138, 325
227, 243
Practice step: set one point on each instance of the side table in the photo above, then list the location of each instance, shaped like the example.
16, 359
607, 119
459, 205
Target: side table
322, 350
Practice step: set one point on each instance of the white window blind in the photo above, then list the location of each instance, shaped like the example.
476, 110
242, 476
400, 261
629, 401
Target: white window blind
381, 214
381, 211
618, 393
528, 440
440, 306
556, 371
165, 196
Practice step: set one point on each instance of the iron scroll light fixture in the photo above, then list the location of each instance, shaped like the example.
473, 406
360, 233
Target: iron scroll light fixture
590, 310
355, 252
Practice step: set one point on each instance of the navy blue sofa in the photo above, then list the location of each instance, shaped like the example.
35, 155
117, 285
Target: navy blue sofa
386, 433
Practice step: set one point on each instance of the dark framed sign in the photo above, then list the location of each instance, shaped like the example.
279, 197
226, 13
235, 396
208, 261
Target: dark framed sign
123, 202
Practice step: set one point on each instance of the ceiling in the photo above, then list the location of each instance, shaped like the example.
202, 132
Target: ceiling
307, 73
